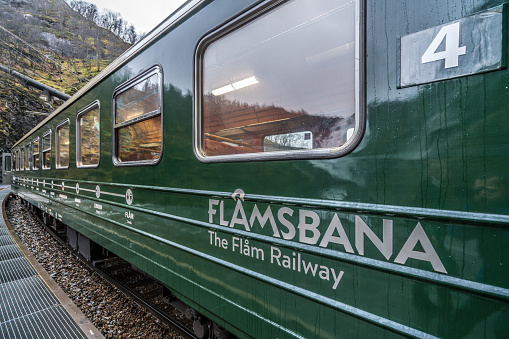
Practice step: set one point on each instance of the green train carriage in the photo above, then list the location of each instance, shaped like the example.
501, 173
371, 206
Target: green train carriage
298, 168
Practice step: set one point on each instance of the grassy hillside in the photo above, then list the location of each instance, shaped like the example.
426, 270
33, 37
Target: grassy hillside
49, 42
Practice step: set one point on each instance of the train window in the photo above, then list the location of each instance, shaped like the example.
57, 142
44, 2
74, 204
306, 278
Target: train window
35, 153
138, 120
28, 156
281, 82
8, 164
88, 132
62, 145
25, 159
46, 150
23, 156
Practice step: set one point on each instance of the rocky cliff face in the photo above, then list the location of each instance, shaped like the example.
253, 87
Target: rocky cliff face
49, 42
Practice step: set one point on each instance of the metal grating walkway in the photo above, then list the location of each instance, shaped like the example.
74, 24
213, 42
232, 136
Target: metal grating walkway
28, 308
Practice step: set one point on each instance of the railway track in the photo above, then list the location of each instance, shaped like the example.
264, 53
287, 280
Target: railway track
137, 286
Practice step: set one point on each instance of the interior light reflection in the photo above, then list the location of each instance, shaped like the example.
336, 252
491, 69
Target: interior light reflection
235, 86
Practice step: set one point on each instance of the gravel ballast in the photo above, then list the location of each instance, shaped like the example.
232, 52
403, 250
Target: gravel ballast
114, 314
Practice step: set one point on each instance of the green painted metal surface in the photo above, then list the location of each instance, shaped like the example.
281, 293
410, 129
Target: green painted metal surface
405, 236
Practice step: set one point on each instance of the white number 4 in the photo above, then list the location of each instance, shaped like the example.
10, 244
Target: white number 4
451, 34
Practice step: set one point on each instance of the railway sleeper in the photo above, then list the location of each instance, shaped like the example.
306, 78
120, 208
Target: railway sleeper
150, 294
112, 261
142, 282
126, 274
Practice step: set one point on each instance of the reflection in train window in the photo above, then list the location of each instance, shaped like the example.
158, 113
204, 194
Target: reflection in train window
22, 166
46, 150
35, 153
8, 160
25, 159
28, 156
283, 82
137, 124
62, 145
288, 141
88, 130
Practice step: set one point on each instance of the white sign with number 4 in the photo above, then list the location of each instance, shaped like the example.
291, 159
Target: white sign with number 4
451, 35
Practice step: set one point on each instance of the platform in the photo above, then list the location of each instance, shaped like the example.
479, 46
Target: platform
32, 305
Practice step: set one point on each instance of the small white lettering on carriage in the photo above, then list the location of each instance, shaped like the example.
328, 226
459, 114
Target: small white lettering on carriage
242, 246
217, 241
280, 257
295, 262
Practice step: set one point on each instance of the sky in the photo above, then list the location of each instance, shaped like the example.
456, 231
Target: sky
143, 15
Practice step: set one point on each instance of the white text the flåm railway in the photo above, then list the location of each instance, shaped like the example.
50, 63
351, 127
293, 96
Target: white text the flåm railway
283, 258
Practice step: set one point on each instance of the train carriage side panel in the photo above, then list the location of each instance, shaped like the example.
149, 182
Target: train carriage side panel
404, 234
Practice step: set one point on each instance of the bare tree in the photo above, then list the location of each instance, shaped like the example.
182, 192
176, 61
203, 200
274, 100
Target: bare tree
130, 35
91, 13
78, 6
110, 20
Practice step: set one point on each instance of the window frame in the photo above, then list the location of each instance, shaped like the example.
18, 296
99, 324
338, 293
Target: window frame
155, 69
324, 153
83, 111
57, 144
45, 150
37, 139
